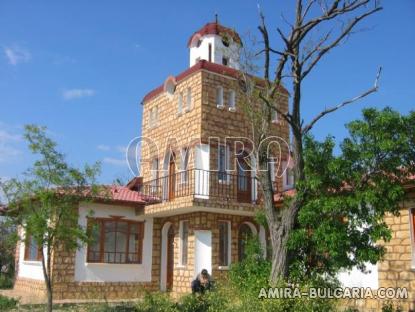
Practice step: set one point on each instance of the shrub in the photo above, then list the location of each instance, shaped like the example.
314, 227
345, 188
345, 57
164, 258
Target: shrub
6, 281
156, 302
7, 303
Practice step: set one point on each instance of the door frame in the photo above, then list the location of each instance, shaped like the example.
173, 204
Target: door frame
172, 176
244, 196
164, 255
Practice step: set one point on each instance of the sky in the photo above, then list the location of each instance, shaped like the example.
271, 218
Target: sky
81, 68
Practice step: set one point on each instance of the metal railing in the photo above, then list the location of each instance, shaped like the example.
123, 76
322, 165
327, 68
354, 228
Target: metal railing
201, 184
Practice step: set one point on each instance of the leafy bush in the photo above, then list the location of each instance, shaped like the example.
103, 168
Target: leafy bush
156, 302
389, 307
249, 276
6, 281
7, 303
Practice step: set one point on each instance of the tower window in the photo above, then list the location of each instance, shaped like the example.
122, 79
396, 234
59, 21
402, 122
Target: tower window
180, 104
210, 52
153, 118
231, 100
219, 97
189, 99
225, 61
225, 41
274, 116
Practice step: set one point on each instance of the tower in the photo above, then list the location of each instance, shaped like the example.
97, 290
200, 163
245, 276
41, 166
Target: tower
216, 44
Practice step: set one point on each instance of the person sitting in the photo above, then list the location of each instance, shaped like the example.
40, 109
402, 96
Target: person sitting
202, 282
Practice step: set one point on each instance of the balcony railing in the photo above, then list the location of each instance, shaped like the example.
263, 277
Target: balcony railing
202, 184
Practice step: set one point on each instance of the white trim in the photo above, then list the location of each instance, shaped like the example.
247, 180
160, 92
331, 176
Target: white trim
163, 260
412, 232
181, 264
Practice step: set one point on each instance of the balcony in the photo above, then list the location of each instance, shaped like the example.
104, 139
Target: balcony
202, 184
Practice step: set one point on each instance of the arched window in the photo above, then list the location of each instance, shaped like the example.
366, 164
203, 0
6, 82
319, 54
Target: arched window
244, 234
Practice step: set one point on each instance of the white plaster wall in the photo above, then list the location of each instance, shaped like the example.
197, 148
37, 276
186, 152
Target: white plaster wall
29, 269
356, 278
202, 156
203, 50
218, 51
203, 251
104, 272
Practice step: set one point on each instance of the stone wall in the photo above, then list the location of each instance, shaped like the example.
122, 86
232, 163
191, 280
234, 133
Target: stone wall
397, 270
183, 275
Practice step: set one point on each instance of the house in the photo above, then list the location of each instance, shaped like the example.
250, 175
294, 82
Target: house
195, 203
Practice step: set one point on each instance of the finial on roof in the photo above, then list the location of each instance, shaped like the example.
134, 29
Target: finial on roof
216, 18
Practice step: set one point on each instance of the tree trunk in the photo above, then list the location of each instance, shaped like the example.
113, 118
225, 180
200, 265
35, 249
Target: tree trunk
48, 278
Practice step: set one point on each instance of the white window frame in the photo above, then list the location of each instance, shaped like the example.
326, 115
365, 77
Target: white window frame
229, 225
232, 100
227, 180
181, 246
184, 165
153, 117
219, 97
272, 165
189, 99
180, 103
290, 184
274, 116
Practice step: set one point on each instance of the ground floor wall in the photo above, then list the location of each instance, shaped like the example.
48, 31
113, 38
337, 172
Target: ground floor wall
75, 278
397, 269
198, 223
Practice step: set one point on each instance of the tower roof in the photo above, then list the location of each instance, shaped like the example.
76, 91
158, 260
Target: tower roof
215, 28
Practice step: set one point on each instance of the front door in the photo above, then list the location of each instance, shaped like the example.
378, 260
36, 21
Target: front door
203, 251
243, 180
170, 258
172, 177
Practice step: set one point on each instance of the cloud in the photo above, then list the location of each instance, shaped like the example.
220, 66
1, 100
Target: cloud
73, 94
103, 147
16, 55
114, 161
7, 149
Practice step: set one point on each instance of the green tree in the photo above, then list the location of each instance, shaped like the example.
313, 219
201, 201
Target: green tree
43, 204
7, 252
346, 196
289, 54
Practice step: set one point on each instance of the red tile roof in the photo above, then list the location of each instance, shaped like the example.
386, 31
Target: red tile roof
215, 29
202, 64
124, 194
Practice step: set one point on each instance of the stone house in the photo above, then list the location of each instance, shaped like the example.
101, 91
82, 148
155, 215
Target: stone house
194, 204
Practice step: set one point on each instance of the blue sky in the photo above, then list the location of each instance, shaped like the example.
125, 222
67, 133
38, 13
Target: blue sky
81, 68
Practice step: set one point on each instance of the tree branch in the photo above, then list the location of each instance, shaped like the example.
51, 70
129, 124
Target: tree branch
344, 33
374, 89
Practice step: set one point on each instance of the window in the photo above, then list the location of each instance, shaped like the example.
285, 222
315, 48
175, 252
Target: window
184, 164
184, 234
154, 176
225, 61
153, 118
223, 163
224, 243
189, 99
244, 235
287, 177
180, 104
274, 116
219, 97
115, 241
210, 52
32, 251
231, 100
271, 165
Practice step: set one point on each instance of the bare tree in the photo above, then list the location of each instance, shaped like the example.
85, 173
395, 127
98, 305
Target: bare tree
336, 20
